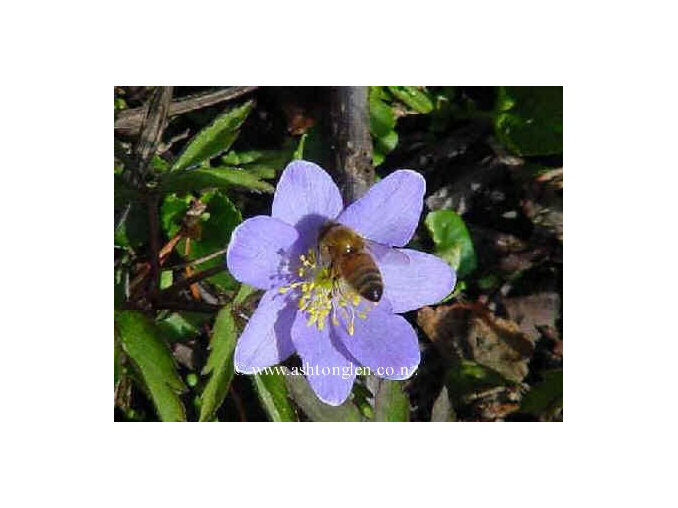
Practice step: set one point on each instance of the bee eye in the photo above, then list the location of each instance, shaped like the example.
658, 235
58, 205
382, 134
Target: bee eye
374, 295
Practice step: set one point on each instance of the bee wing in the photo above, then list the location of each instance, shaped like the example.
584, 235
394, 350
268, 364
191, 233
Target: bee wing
386, 254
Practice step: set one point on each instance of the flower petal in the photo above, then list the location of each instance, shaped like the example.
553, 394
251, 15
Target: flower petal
306, 196
389, 212
319, 354
266, 339
384, 342
425, 280
259, 252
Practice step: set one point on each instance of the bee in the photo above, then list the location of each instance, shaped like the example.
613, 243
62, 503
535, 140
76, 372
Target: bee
349, 259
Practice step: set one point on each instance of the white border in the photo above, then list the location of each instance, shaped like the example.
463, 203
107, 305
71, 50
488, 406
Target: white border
61, 63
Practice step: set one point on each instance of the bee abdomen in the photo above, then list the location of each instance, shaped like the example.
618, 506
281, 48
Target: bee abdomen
362, 274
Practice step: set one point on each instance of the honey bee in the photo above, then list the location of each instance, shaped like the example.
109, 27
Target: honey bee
349, 258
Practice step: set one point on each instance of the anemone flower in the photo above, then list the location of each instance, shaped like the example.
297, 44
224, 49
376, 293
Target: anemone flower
306, 309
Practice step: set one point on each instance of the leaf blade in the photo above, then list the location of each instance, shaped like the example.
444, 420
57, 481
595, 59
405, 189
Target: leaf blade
529, 119
545, 396
413, 97
219, 364
215, 138
273, 394
142, 343
217, 178
316, 410
215, 232
391, 403
452, 240
382, 124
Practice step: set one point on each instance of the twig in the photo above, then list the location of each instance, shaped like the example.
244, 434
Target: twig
152, 126
198, 261
193, 279
129, 121
190, 306
154, 240
164, 147
352, 146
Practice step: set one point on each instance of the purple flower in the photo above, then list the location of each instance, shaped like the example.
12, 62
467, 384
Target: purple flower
305, 310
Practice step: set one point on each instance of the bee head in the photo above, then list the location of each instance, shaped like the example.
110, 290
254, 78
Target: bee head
374, 293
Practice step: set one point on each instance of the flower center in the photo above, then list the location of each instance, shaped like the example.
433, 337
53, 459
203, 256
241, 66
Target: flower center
323, 296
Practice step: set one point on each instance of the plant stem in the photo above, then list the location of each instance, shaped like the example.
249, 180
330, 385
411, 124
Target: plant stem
352, 144
198, 261
192, 279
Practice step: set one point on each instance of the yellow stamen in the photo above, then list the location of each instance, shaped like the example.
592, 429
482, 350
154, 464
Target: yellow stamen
322, 296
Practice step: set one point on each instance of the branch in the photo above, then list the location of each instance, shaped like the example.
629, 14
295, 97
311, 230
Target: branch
192, 279
350, 131
129, 121
189, 306
153, 202
152, 126
198, 261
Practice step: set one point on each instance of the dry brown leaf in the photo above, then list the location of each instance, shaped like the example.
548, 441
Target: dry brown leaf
544, 205
472, 332
534, 311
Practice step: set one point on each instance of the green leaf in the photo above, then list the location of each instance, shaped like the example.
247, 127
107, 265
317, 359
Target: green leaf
387, 144
377, 157
452, 240
413, 97
546, 396
166, 279
314, 408
219, 364
159, 165
384, 146
181, 326
191, 379
361, 398
172, 212
262, 170
529, 119
274, 159
391, 403
214, 139
141, 342
261, 163
299, 151
382, 119
119, 104
214, 178
382, 125
243, 294
273, 395
467, 376
233, 158
215, 231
